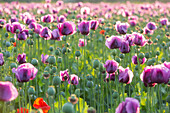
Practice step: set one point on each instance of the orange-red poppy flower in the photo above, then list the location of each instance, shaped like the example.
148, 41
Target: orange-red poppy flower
39, 103
14, 44
22, 110
102, 32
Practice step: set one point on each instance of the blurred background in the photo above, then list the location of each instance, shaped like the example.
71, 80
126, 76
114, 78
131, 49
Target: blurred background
94, 1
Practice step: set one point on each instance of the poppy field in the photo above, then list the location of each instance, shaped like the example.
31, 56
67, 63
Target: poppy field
84, 57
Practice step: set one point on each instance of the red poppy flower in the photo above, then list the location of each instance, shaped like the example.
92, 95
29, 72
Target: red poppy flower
40, 104
22, 110
102, 32
14, 44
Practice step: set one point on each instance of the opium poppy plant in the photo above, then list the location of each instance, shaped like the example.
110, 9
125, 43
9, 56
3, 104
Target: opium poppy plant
39, 103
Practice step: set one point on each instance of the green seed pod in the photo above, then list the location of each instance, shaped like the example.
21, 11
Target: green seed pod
7, 54
51, 48
56, 80
141, 55
114, 52
6, 35
96, 63
17, 31
20, 84
31, 90
51, 91
46, 75
157, 53
21, 92
147, 55
47, 68
51, 59
101, 67
149, 63
64, 50
13, 65
59, 60
34, 62
136, 67
115, 95
168, 98
57, 52
68, 108
77, 53
121, 56
118, 60
77, 92
54, 69
12, 40
163, 59
30, 32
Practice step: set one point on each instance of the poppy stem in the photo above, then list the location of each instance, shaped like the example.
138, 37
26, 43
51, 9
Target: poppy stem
84, 71
4, 107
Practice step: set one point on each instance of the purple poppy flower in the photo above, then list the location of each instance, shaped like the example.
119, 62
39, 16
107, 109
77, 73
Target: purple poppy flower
147, 31
25, 72
84, 27
135, 61
44, 58
164, 21
28, 20
45, 33
110, 76
15, 26
151, 26
129, 38
1, 59
167, 64
81, 42
111, 66
130, 105
113, 42
8, 27
13, 19
22, 36
67, 28
121, 27
125, 75
56, 35
139, 39
32, 25
74, 79
133, 22
38, 28
21, 58
61, 19
146, 76
64, 76
8, 91
47, 18
160, 74
94, 24
124, 48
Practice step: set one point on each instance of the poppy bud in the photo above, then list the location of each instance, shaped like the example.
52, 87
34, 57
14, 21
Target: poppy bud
51, 48
149, 63
8, 78
157, 53
34, 62
91, 110
117, 60
54, 69
51, 60
31, 90
64, 50
57, 52
59, 60
121, 56
77, 53
114, 52
56, 80
96, 63
6, 35
51, 91
147, 55
163, 59
77, 92
68, 108
21, 92
101, 67
7, 54
13, 65
141, 55
12, 40
115, 95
